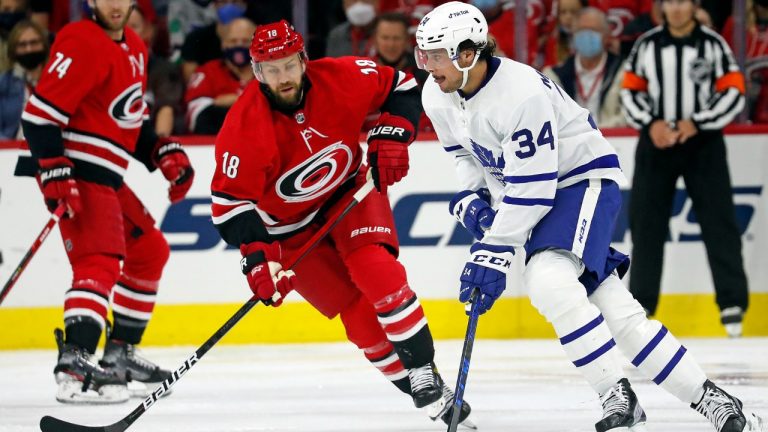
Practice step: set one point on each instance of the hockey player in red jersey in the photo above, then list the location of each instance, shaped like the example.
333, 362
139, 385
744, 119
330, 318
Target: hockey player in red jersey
84, 121
286, 155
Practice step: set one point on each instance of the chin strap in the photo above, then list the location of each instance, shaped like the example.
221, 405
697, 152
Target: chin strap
465, 71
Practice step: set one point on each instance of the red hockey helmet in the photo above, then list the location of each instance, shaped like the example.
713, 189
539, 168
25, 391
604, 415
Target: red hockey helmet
275, 40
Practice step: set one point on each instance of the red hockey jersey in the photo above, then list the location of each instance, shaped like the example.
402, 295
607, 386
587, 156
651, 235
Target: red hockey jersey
209, 81
285, 166
92, 88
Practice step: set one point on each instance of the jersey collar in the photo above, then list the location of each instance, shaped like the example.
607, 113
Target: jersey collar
493, 66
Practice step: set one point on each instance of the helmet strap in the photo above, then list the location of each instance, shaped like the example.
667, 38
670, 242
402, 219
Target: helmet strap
465, 70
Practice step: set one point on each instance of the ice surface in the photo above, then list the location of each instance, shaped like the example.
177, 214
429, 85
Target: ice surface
513, 386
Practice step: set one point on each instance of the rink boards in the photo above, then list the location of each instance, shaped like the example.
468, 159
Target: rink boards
202, 285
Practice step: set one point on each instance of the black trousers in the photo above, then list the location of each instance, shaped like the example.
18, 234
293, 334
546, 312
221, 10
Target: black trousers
702, 163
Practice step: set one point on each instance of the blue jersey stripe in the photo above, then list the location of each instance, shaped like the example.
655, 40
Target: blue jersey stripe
586, 328
531, 178
597, 353
452, 148
607, 161
529, 201
640, 357
671, 365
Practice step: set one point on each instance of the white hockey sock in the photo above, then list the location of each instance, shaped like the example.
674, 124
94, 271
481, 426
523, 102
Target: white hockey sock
552, 278
648, 344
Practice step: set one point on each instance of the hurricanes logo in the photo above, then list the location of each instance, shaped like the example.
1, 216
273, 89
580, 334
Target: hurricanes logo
128, 107
317, 175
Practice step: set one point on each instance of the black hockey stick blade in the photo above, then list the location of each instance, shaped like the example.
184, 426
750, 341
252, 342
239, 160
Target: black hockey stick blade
466, 355
48, 423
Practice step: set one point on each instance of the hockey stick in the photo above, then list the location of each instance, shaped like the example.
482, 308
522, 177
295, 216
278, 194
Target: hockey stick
466, 355
32, 250
52, 424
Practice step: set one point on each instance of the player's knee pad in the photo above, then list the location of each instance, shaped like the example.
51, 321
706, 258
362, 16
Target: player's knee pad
376, 272
553, 285
146, 256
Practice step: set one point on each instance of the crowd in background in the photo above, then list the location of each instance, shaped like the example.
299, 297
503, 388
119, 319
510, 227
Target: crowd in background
199, 62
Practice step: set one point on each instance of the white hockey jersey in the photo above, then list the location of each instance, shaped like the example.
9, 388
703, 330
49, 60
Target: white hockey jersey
522, 137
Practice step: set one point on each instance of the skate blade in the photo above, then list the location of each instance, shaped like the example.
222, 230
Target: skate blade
70, 392
138, 389
639, 427
468, 424
436, 408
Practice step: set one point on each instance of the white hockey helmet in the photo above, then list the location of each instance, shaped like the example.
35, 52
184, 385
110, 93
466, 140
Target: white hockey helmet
447, 26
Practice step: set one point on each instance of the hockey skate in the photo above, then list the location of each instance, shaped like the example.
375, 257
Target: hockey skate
142, 375
731, 318
427, 389
448, 411
725, 413
82, 381
621, 411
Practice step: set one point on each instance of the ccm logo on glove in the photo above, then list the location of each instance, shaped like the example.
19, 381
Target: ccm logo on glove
493, 260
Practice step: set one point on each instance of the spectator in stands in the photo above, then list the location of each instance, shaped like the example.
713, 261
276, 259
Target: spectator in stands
204, 44
391, 43
641, 24
11, 12
590, 75
756, 67
27, 50
559, 48
621, 12
354, 37
184, 17
501, 28
414, 10
215, 86
165, 87
681, 136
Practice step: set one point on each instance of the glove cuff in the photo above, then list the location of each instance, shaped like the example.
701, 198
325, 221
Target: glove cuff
491, 256
460, 202
392, 128
55, 168
256, 253
164, 147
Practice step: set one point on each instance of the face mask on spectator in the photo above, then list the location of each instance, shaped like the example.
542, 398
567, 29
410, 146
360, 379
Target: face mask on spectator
9, 19
588, 43
230, 11
484, 4
31, 60
360, 14
238, 56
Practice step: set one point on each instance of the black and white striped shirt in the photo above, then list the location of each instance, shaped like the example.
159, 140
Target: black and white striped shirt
693, 78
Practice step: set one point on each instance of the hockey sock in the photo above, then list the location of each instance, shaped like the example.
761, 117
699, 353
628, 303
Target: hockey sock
363, 329
648, 344
132, 304
82, 331
552, 277
397, 307
86, 303
135, 293
386, 360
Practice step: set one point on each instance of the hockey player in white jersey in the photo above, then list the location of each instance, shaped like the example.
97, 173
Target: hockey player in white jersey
551, 183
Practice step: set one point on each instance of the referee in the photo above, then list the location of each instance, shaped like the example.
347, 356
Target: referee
681, 87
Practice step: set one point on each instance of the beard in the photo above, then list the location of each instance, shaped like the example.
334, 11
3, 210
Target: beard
288, 102
105, 22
